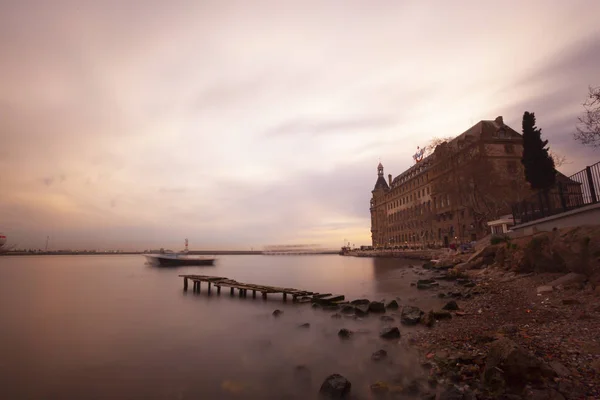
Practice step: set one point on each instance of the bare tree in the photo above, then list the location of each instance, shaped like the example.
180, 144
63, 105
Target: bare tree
484, 187
433, 143
588, 129
559, 159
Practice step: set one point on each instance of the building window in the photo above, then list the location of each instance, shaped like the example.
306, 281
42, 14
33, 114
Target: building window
509, 148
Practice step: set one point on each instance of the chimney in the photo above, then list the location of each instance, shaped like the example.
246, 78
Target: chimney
390, 179
499, 121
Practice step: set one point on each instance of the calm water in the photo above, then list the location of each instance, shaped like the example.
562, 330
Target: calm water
111, 327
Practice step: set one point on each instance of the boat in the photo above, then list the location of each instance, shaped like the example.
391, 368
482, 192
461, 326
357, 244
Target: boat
178, 259
172, 259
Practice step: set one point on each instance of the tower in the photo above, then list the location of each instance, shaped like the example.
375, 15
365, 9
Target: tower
378, 215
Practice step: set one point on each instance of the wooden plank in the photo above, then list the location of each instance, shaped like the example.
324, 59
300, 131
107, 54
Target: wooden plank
332, 298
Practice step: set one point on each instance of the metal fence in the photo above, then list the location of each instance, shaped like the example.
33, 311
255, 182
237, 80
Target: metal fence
578, 190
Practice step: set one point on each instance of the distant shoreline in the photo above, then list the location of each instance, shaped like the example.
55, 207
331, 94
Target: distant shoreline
196, 252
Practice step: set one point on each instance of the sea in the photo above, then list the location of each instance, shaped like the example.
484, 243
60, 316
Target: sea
114, 327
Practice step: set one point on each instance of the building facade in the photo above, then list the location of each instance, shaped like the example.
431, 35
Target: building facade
450, 195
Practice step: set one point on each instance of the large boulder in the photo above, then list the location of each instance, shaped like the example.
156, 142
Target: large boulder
429, 319
335, 387
347, 309
392, 305
442, 315
379, 355
345, 333
508, 365
410, 315
376, 307
361, 310
360, 302
450, 306
390, 332
567, 279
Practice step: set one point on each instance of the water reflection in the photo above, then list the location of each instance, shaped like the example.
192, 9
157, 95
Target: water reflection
112, 327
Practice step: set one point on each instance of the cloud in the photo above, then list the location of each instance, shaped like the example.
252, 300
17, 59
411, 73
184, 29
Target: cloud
332, 126
172, 190
132, 125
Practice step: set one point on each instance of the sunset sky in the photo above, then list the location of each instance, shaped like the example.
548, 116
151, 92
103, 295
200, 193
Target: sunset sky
237, 124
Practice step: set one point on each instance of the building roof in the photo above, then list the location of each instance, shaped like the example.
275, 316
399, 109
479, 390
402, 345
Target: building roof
381, 184
482, 129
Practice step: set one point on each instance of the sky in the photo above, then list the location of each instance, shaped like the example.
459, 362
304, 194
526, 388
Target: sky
237, 124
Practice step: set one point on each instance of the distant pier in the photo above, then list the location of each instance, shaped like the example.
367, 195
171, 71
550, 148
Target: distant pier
297, 295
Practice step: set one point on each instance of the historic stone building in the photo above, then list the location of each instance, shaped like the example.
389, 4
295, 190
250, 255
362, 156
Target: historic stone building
448, 196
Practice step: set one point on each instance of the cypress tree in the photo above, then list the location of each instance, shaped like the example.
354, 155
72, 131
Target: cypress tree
539, 166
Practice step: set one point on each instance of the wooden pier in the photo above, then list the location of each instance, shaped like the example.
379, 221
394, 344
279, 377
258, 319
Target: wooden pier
243, 288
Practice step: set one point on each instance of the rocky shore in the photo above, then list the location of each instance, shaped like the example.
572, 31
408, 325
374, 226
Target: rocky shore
521, 321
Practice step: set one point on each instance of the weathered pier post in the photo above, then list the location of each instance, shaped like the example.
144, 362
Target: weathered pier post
209, 287
231, 291
254, 294
264, 295
219, 289
240, 292
284, 296
185, 283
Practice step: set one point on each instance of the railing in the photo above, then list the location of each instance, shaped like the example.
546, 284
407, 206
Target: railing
580, 189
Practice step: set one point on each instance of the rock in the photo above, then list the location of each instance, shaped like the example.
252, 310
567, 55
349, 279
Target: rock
344, 333
379, 355
426, 281
335, 387
429, 319
277, 313
376, 307
410, 315
441, 295
544, 394
331, 307
469, 284
361, 310
442, 315
424, 286
451, 394
568, 302
304, 325
390, 332
392, 305
302, 372
336, 316
451, 306
316, 305
560, 369
568, 279
428, 265
379, 387
509, 365
359, 302
386, 318
544, 289
347, 309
